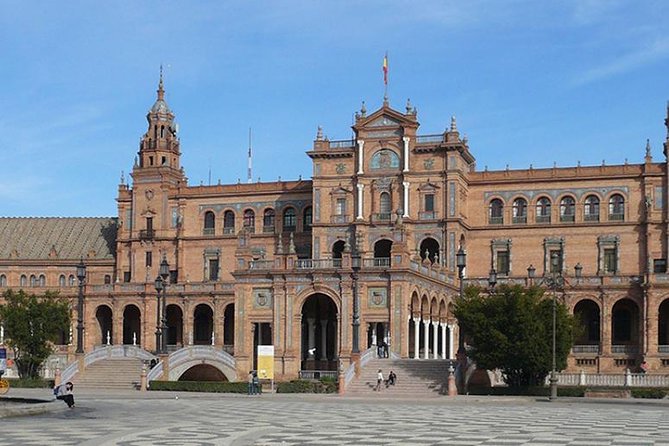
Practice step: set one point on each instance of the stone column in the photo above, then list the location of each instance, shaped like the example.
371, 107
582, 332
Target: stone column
435, 340
373, 328
416, 336
450, 342
360, 207
406, 199
324, 339
360, 156
605, 326
406, 154
443, 326
311, 336
426, 339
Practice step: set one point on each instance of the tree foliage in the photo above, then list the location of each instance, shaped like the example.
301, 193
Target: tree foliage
512, 330
32, 326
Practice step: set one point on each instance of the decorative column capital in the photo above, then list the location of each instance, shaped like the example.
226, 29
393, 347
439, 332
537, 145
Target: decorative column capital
406, 139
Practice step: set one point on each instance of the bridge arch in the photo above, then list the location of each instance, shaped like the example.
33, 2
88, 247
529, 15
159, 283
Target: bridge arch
186, 358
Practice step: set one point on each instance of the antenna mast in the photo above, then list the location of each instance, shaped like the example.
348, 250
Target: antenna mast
249, 173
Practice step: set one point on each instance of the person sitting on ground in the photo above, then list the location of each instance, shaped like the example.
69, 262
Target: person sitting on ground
391, 379
64, 392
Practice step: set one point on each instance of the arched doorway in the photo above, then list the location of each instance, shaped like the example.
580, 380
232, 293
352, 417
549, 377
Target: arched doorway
663, 325
203, 372
229, 329
175, 325
132, 326
586, 313
429, 249
104, 317
338, 249
319, 333
625, 325
203, 324
382, 249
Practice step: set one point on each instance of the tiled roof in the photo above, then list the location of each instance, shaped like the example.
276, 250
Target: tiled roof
57, 238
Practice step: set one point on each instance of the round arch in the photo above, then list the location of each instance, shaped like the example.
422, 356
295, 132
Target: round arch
203, 372
429, 249
319, 333
175, 323
625, 322
103, 314
338, 249
382, 248
132, 325
663, 323
203, 324
587, 313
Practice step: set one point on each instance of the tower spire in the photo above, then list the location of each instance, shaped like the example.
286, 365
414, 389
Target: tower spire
161, 91
249, 173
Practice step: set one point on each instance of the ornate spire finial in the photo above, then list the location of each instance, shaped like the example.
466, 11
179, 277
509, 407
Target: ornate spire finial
291, 245
279, 246
363, 110
319, 134
161, 91
648, 157
122, 178
454, 126
385, 100
408, 106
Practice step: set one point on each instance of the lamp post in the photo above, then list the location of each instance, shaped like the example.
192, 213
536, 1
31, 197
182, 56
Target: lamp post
159, 290
355, 266
81, 275
164, 274
461, 262
554, 283
530, 274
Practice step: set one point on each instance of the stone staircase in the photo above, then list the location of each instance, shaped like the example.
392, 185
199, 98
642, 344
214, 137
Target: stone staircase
113, 373
415, 378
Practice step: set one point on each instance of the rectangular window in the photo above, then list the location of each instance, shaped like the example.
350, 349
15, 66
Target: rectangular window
126, 276
149, 259
660, 266
149, 223
429, 202
340, 208
610, 260
174, 276
213, 269
503, 263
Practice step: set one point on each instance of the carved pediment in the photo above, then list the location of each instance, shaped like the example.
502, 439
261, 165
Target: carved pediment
428, 187
384, 121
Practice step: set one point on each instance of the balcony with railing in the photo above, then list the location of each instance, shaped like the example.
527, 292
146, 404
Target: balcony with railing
520, 220
586, 349
228, 230
427, 139
567, 218
376, 262
147, 234
250, 229
381, 217
317, 263
261, 264
543, 218
268, 229
427, 215
496, 220
591, 217
663, 349
339, 219
208, 231
616, 216
625, 349
342, 144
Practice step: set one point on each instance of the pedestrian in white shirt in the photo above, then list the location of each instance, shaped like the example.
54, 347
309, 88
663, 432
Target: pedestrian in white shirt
379, 380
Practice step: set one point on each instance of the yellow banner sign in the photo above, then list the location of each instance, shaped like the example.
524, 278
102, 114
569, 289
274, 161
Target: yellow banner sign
266, 361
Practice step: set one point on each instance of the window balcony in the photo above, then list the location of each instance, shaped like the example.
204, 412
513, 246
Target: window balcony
340, 218
268, 229
616, 217
250, 229
586, 348
625, 349
543, 218
208, 231
147, 234
229, 230
591, 217
567, 218
496, 220
520, 220
376, 262
427, 215
383, 217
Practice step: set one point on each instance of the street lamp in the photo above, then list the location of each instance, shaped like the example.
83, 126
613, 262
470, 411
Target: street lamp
554, 282
461, 262
81, 275
355, 266
165, 274
530, 274
159, 289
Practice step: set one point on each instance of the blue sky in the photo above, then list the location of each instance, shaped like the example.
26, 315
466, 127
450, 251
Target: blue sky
530, 82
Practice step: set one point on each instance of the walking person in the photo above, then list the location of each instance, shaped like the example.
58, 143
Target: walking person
64, 393
250, 389
256, 384
379, 380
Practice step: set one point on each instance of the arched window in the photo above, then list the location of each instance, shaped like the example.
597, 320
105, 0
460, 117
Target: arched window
385, 159
268, 220
3, 280
289, 219
617, 208
591, 210
23, 281
71, 280
209, 223
61, 280
229, 222
307, 219
250, 220
42, 280
519, 210
496, 212
543, 210
384, 206
567, 209
33, 280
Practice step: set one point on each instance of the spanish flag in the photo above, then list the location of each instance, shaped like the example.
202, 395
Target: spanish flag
385, 69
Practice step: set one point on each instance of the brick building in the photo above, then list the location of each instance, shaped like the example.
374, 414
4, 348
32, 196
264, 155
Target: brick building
363, 254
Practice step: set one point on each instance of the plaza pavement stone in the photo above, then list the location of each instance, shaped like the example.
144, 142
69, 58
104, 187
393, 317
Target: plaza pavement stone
157, 418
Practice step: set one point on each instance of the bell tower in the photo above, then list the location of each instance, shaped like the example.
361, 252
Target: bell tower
159, 148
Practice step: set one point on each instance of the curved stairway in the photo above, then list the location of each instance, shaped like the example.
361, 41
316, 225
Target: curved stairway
415, 378
112, 373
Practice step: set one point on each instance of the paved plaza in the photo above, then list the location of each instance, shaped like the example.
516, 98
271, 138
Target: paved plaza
209, 419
